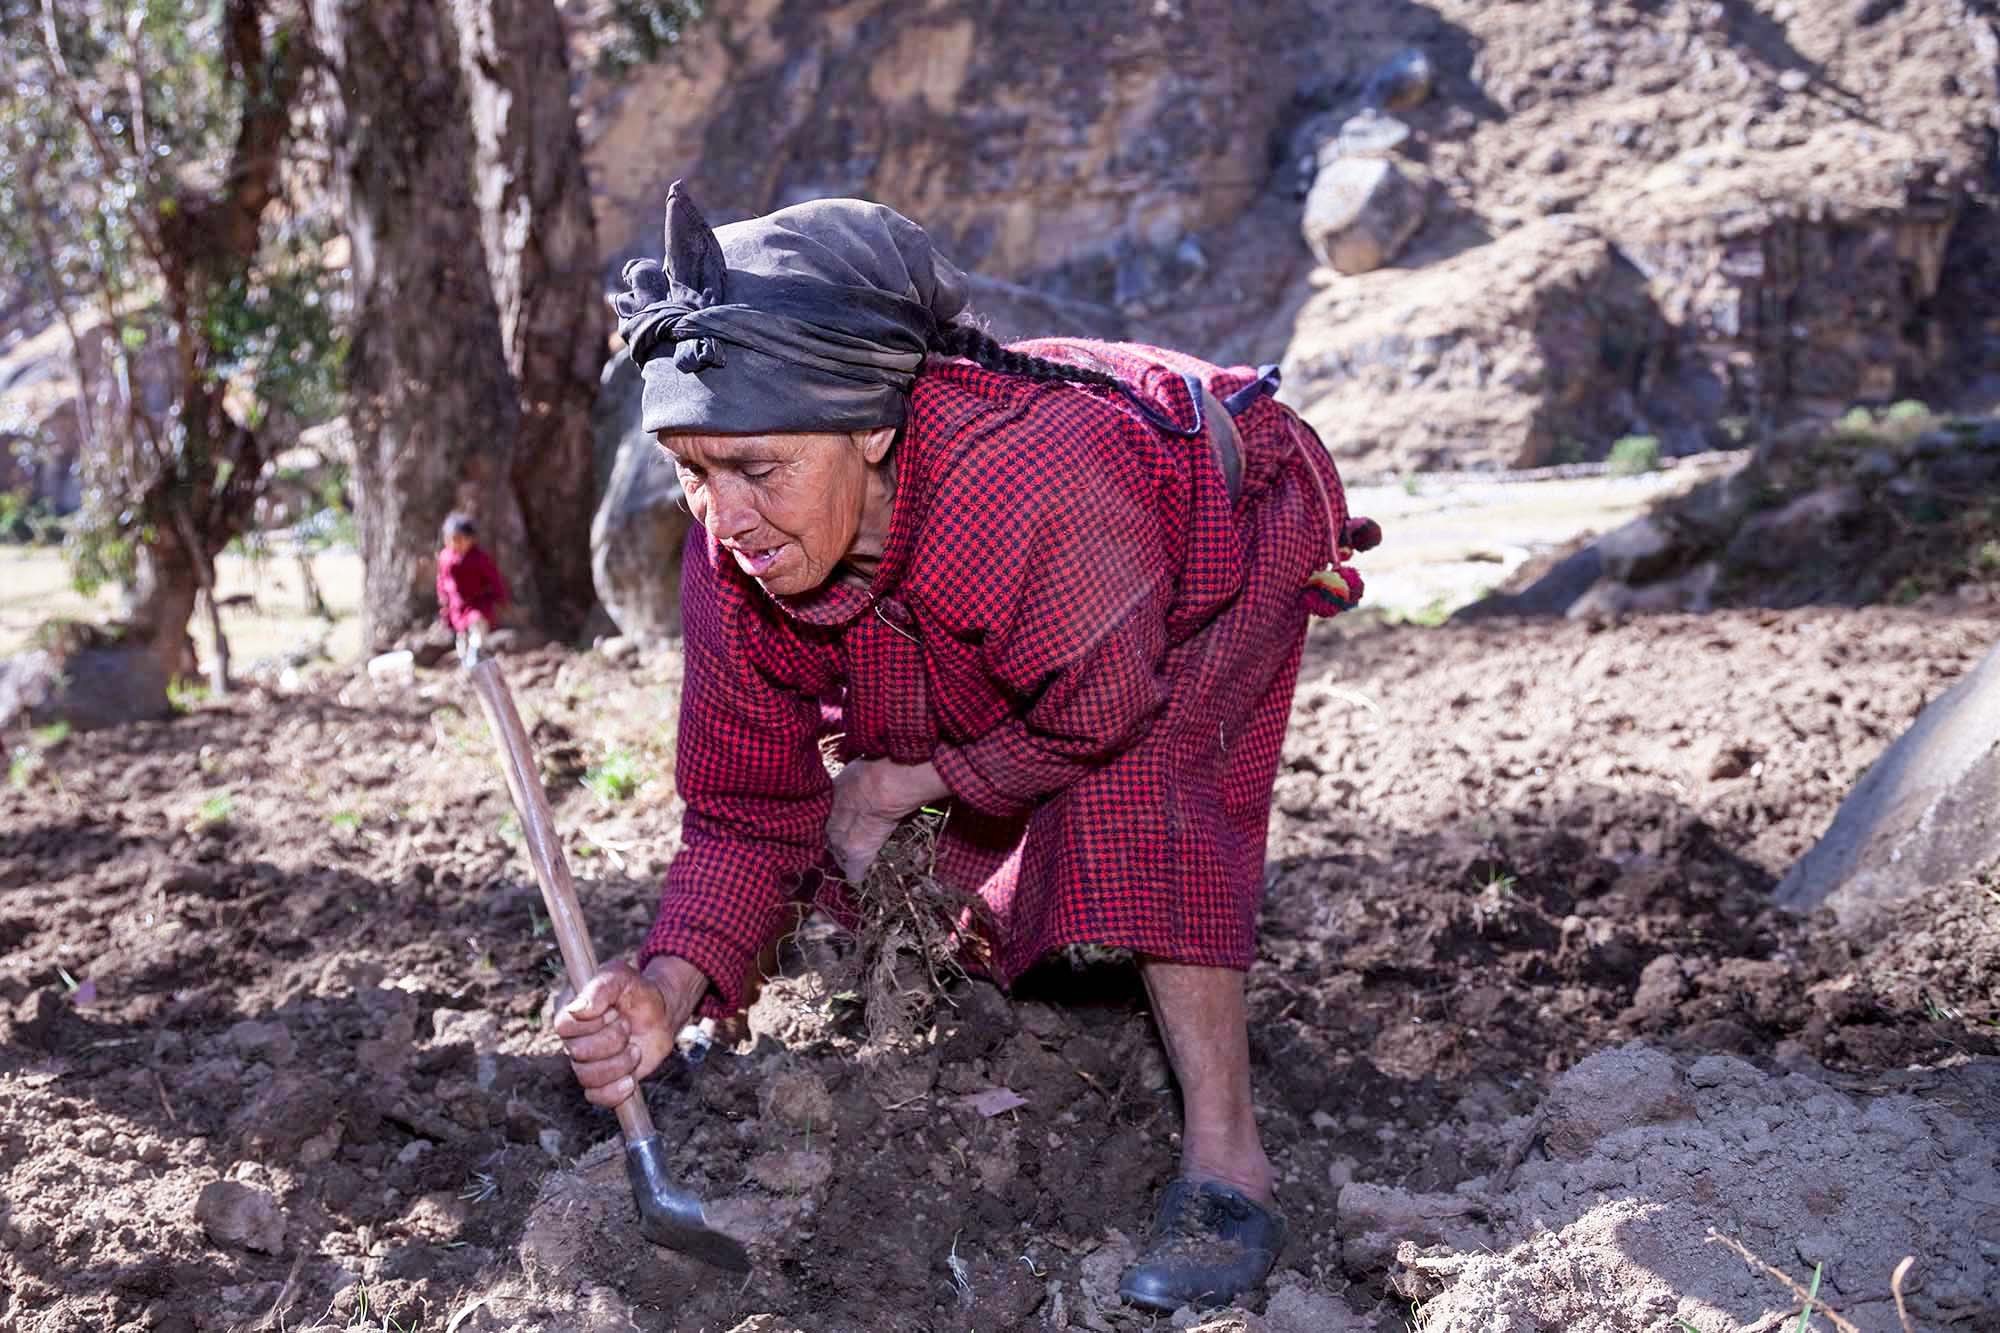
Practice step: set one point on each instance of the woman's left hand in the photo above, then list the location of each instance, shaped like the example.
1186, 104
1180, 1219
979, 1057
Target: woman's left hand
871, 797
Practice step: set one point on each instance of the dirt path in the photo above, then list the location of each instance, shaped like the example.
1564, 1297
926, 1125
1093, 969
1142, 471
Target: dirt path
311, 964
1453, 537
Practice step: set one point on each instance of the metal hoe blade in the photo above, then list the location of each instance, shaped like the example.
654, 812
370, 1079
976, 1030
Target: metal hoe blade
673, 1217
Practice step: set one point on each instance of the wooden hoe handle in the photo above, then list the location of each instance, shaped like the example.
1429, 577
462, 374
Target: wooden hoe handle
545, 850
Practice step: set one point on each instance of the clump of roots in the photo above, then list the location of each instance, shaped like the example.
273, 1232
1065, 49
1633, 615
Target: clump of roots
917, 934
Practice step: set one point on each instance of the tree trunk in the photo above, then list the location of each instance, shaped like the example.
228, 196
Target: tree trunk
434, 412
160, 604
541, 252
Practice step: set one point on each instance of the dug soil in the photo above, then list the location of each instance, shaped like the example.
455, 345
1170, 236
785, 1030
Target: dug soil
274, 981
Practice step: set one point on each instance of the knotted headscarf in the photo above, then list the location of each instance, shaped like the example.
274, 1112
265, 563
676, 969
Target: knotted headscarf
813, 318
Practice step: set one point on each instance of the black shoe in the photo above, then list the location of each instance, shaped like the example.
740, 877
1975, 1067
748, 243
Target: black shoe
1210, 1244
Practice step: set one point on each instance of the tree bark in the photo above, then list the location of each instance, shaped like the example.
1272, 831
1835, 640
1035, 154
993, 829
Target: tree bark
541, 251
433, 406
161, 603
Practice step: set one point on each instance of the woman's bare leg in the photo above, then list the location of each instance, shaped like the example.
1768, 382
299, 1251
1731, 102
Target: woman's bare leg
1204, 1022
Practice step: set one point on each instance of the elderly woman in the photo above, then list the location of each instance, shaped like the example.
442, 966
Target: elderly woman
1062, 586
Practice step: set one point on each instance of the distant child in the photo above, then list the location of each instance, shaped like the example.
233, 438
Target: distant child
470, 588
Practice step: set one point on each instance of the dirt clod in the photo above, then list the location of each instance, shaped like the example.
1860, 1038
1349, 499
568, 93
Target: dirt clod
237, 1214
799, 1101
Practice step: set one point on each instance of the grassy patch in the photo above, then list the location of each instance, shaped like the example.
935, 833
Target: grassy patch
28, 762
1894, 426
617, 777
1634, 455
186, 694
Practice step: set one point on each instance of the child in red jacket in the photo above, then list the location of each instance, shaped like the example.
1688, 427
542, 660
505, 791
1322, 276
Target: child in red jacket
470, 588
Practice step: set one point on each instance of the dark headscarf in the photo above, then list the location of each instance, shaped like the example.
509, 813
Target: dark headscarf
813, 318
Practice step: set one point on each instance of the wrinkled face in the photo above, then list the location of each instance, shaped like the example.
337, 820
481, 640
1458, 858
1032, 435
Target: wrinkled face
790, 507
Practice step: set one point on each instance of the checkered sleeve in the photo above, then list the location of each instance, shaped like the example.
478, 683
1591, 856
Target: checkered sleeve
1071, 585
757, 794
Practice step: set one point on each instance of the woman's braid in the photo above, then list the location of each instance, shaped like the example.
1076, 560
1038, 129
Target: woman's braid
983, 350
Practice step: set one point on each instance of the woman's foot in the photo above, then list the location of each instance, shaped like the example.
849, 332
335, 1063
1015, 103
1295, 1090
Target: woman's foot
1210, 1244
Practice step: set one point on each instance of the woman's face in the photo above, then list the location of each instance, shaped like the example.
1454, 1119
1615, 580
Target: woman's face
790, 507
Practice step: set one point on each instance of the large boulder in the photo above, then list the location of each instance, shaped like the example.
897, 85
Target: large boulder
82, 678
1501, 354
1927, 813
1362, 211
641, 522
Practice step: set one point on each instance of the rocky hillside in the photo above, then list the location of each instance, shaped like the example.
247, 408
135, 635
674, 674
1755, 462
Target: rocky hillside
1545, 224
1475, 234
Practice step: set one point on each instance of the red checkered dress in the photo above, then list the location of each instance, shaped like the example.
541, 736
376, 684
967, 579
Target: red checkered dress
1073, 621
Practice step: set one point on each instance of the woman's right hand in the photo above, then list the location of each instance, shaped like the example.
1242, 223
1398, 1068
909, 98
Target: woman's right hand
622, 1025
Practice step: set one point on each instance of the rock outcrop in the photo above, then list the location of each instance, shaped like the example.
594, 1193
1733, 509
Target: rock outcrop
1882, 506
1549, 226
1026, 137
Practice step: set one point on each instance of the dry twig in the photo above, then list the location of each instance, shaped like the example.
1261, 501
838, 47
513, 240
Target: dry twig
1819, 1302
1896, 1286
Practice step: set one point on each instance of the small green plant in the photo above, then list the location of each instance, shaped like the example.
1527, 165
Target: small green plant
378, 1322
510, 830
27, 762
15, 508
1987, 558
1910, 409
215, 811
483, 959
1856, 421
1805, 1315
616, 778
1413, 485
1428, 616
538, 925
345, 821
186, 694
1634, 455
